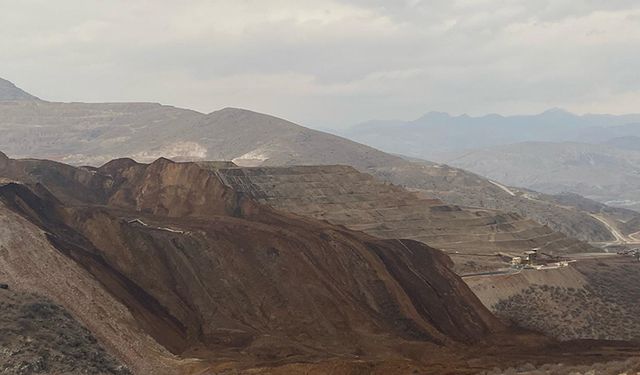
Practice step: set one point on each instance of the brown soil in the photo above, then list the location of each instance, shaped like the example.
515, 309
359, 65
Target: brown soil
224, 283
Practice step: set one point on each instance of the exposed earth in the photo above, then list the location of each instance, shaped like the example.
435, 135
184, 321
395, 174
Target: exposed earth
188, 276
367, 263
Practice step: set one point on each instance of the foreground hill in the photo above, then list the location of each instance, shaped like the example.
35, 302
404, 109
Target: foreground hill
39, 336
176, 273
205, 273
92, 134
595, 297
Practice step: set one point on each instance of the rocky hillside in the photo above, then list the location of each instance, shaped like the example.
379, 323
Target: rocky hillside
38, 336
457, 186
204, 270
344, 196
186, 275
92, 134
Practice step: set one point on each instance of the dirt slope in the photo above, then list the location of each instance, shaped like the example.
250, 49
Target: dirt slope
344, 196
187, 276
30, 264
204, 270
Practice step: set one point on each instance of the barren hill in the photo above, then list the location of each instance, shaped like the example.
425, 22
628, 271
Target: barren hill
203, 270
92, 134
9, 92
342, 195
174, 272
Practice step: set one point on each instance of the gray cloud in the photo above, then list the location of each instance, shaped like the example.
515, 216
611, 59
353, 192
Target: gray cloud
329, 63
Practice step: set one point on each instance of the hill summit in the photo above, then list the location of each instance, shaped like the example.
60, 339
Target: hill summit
10, 92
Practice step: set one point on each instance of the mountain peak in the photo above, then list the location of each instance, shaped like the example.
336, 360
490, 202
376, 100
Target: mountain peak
10, 92
557, 112
434, 116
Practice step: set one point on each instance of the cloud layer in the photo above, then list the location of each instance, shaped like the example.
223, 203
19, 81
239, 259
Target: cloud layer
329, 63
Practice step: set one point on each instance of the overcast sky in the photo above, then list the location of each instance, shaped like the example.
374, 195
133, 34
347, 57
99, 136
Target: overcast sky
329, 63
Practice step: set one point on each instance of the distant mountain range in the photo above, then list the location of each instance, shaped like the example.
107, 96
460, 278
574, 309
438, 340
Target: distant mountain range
434, 133
598, 171
597, 156
92, 134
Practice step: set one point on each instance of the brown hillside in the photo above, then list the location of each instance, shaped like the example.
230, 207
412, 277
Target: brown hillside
203, 269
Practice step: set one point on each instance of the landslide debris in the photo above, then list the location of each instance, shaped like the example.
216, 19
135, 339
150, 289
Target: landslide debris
210, 273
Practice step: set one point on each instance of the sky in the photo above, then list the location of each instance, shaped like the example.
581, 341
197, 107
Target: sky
329, 64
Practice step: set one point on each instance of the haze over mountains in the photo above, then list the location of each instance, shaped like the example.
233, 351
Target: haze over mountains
598, 171
553, 152
436, 132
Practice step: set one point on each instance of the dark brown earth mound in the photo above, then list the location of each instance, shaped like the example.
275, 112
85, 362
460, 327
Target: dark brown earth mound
226, 283
38, 336
207, 270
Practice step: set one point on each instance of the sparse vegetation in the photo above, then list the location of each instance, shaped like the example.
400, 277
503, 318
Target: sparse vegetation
628, 367
40, 337
607, 308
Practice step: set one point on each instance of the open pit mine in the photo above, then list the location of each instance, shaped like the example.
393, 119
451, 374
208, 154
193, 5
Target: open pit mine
209, 268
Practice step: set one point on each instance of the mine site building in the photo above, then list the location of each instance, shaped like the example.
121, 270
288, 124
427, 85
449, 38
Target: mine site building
530, 257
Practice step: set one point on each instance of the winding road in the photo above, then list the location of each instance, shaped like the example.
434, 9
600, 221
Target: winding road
621, 239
